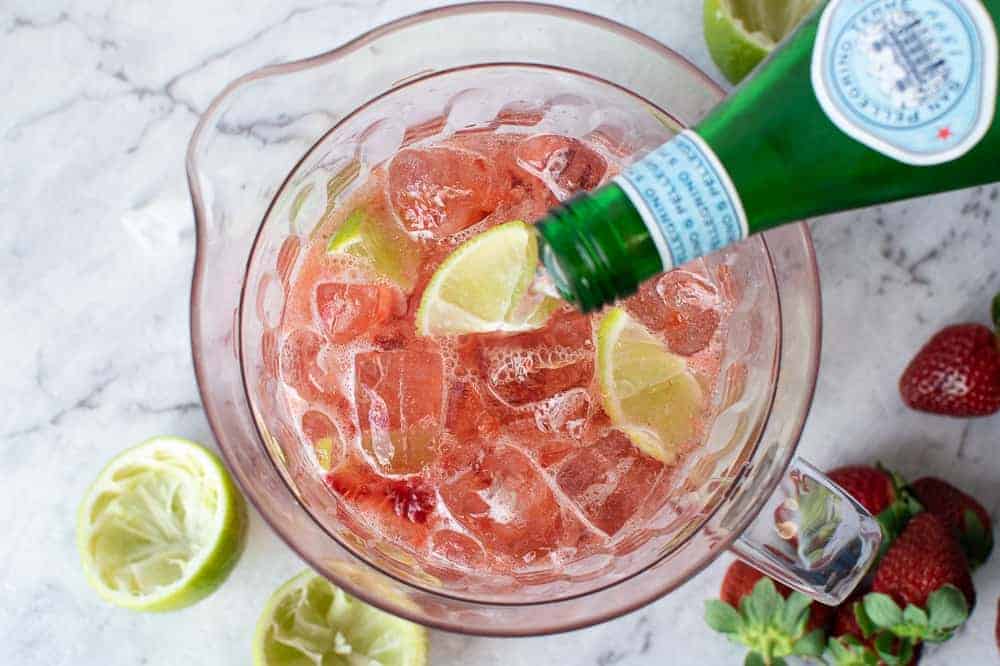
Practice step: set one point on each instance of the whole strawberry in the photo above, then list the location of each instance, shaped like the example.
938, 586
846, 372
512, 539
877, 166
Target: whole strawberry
771, 620
957, 373
962, 514
740, 580
882, 492
922, 589
850, 645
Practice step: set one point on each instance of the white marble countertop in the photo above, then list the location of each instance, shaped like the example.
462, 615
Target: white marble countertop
96, 238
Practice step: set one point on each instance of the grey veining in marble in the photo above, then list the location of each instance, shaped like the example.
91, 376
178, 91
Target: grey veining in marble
96, 239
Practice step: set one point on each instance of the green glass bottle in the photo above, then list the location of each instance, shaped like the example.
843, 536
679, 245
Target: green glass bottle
869, 101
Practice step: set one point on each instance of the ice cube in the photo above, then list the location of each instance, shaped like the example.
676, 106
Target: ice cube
324, 437
566, 165
681, 305
608, 480
438, 191
400, 395
566, 413
458, 548
347, 311
504, 502
536, 365
467, 417
299, 366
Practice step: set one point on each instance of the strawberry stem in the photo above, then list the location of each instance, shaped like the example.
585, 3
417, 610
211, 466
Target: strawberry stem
996, 312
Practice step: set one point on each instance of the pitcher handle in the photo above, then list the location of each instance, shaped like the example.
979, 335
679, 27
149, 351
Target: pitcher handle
812, 536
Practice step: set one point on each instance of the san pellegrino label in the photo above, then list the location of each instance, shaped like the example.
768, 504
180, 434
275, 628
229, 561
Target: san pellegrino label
683, 191
913, 79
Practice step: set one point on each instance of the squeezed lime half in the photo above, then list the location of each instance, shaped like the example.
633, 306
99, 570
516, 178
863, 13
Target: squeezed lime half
308, 621
161, 527
741, 33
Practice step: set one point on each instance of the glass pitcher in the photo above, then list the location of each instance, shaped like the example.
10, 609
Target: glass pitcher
279, 147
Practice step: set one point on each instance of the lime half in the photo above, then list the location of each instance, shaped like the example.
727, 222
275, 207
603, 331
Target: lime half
310, 622
483, 286
161, 527
380, 242
741, 33
647, 390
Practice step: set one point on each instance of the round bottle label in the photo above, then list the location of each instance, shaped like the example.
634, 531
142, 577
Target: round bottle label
913, 79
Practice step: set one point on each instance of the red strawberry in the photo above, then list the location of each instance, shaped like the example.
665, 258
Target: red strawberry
924, 559
845, 621
850, 645
962, 514
922, 590
740, 580
882, 493
957, 373
872, 487
770, 619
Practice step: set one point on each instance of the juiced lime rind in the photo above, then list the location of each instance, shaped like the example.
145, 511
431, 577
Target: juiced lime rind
309, 621
381, 243
479, 287
646, 390
213, 560
741, 33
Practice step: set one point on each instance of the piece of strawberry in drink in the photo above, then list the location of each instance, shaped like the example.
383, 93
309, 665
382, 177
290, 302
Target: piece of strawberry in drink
400, 396
566, 165
608, 480
681, 305
503, 501
441, 190
401, 507
346, 311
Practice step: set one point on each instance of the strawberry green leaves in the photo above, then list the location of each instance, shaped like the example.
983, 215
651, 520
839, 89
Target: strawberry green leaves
946, 611
770, 626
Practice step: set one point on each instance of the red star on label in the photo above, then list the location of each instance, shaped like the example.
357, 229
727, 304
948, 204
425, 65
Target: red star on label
944, 133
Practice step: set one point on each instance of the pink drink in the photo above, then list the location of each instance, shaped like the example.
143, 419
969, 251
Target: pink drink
485, 451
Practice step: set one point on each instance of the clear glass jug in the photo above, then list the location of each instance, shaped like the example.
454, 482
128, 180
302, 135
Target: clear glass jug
281, 145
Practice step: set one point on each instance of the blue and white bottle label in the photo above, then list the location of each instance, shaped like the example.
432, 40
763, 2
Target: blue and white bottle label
686, 199
913, 79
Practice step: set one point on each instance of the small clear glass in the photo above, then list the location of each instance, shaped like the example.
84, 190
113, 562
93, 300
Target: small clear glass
281, 145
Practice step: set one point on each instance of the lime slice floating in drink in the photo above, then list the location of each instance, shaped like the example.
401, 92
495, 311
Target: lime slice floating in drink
310, 621
380, 242
741, 33
161, 527
647, 390
483, 285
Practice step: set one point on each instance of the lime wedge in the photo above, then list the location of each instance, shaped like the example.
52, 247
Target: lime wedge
310, 622
161, 527
483, 285
380, 242
646, 389
741, 33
